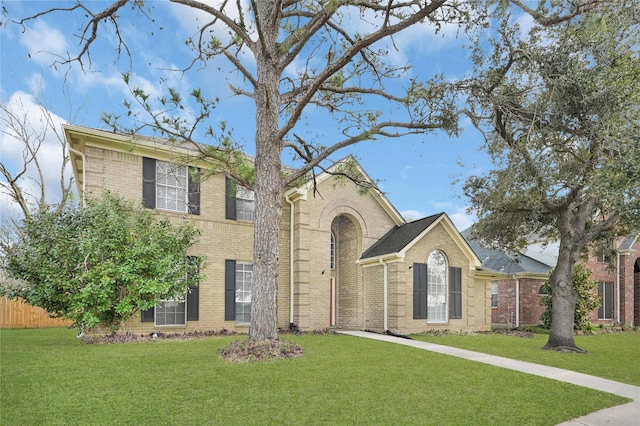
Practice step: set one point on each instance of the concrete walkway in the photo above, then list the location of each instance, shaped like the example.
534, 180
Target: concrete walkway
621, 415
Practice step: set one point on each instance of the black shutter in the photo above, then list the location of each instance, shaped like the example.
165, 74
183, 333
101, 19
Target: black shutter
193, 303
419, 291
194, 190
193, 298
230, 191
230, 290
148, 315
455, 292
600, 293
149, 182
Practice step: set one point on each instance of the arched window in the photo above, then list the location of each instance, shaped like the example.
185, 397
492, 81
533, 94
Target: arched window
333, 251
437, 287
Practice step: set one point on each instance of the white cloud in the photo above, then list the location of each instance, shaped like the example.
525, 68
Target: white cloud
411, 215
42, 41
461, 219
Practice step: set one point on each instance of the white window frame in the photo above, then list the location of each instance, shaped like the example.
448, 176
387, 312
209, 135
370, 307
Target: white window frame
172, 183
244, 282
245, 204
332, 260
437, 288
494, 294
162, 305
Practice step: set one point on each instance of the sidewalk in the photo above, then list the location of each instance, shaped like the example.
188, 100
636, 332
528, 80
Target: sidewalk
621, 415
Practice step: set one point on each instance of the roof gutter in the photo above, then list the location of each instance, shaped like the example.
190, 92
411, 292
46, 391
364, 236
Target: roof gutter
385, 302
291, 197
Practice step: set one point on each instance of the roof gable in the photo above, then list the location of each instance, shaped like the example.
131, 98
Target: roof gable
395, 243
391, 211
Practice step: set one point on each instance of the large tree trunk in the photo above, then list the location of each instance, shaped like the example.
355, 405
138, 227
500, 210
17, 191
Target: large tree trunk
563, 309
563, 294
268, 187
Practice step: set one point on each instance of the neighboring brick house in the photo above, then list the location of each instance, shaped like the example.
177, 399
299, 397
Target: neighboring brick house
347, 259
618, 283
516, 299
516, 287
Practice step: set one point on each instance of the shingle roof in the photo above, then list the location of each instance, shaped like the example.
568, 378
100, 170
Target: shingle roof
629, 241
399, 237
508, 263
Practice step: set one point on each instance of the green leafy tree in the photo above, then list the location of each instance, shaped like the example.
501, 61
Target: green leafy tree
561, 112
100, 264
588, 299
299, 62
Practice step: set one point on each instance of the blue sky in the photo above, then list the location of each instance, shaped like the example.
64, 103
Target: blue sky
415, 172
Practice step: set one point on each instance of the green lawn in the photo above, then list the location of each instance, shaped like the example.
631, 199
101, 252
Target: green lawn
612, 356
49, 377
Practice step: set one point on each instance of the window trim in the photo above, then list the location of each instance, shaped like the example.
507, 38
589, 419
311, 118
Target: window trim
332, 255
494, 295
431, 314
150, 192
238, 265
162, 301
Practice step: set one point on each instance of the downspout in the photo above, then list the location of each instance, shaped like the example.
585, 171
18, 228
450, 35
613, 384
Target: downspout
385, 293
517, 302
84, 168
291, 262
618, 287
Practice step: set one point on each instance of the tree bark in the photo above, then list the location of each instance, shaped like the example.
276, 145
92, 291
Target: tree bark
563, 295
268, 188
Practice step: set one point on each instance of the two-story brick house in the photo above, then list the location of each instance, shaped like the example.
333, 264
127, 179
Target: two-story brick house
347, 259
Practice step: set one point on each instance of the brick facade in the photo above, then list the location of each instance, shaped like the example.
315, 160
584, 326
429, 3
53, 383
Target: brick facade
112, 162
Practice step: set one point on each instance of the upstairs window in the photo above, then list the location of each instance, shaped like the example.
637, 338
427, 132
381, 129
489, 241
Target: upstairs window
333, 251
245, 204
241, 204
170, 187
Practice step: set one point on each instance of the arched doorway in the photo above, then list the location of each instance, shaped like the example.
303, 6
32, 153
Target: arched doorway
346, 287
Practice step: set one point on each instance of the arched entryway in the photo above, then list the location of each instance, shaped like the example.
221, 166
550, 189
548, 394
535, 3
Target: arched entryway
636, 293
346, 287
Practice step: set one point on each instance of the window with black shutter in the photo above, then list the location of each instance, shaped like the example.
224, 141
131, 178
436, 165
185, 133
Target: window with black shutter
419, 291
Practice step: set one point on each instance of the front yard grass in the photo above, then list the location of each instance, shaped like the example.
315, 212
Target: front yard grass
49, 377
611, 356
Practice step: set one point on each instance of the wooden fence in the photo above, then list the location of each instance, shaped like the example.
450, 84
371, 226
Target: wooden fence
19, 314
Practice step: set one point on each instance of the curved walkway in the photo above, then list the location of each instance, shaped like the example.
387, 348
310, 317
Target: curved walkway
621, 415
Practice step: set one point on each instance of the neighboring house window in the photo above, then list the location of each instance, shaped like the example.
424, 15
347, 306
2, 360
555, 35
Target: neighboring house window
604, 258
605, 291
494, 294
238, 282
333, 251
437, 287
170, 187
241, 204
171, 312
